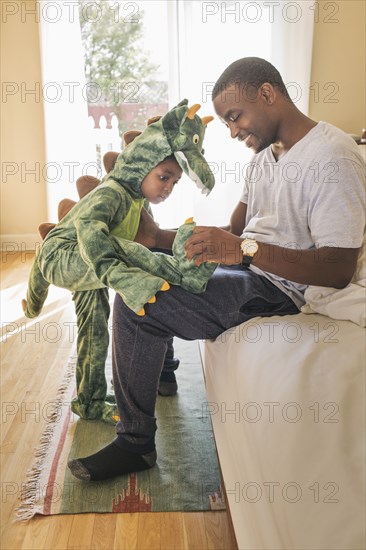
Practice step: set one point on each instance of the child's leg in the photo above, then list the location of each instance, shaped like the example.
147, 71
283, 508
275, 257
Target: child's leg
65, 268
92, 310
37, 292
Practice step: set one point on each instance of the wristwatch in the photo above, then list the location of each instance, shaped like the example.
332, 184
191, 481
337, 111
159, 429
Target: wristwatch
249, 248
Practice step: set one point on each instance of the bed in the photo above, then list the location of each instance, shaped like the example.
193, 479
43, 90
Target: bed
286, 396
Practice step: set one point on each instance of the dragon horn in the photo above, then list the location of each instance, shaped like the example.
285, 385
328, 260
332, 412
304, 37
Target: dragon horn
193, 110
207, 119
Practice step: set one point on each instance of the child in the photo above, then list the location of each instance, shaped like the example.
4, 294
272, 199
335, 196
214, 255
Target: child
92, 247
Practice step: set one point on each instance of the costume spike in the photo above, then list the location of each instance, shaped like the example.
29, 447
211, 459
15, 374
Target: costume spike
130, 136
193, 110
207, 119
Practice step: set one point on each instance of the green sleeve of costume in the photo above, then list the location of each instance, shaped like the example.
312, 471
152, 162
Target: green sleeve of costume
175, 269
99, 252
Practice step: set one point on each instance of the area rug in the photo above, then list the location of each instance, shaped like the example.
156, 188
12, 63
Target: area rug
185, 478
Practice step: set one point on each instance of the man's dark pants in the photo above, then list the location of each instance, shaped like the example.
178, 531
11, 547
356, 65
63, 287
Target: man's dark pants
234, 294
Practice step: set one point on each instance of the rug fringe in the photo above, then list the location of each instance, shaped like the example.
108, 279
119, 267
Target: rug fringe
28, 493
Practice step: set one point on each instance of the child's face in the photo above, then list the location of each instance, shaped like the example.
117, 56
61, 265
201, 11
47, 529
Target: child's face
159, 183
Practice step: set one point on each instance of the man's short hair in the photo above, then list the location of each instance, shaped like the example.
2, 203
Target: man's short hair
250, 72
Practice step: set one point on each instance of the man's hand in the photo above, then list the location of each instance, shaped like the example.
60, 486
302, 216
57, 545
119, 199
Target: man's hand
212, 244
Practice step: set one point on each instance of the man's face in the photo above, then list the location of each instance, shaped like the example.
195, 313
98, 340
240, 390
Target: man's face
249, 114
159, 183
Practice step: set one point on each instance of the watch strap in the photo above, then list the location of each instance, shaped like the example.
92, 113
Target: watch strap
247, 260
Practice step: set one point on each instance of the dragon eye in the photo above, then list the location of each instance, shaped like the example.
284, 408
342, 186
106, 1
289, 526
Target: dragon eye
196, 138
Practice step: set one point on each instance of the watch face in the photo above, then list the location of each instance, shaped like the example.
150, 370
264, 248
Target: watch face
249, 247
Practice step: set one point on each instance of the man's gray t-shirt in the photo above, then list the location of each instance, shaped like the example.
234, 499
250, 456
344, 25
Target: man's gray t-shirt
313, 196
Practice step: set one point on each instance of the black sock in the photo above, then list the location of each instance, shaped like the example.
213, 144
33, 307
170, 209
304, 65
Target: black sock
167, 376
111, 461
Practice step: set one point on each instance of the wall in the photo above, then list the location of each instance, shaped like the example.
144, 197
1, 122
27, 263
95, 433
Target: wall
23, 198
339, 57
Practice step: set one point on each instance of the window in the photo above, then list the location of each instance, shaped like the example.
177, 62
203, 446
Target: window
126, 67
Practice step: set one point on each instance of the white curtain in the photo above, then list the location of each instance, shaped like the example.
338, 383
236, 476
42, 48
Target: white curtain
292, 47
69, 152
205, 38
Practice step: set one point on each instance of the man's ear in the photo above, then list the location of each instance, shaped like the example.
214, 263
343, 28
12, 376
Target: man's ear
268, 92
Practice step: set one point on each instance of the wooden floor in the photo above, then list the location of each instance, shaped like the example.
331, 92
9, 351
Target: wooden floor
33, 355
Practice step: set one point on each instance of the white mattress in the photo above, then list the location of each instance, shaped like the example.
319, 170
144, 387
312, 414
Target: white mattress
287, 402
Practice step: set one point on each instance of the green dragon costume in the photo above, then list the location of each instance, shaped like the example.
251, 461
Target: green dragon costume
92, 249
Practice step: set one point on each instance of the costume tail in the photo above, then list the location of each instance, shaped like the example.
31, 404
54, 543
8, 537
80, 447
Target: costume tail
37, 292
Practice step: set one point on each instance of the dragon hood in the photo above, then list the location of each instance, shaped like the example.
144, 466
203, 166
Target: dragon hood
179, 132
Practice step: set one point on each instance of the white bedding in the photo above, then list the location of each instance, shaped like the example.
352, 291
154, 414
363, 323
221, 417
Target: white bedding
287, 401
341, 303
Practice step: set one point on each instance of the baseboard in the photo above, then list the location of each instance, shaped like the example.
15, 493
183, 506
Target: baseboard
13, 243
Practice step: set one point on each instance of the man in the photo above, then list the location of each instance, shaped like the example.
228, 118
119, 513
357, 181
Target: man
300, 222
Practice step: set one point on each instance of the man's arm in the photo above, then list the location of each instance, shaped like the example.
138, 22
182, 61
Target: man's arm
326, 266
237, 220
150, 235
